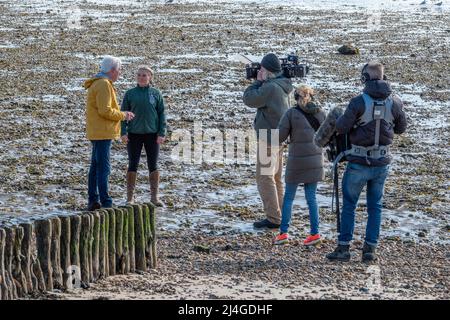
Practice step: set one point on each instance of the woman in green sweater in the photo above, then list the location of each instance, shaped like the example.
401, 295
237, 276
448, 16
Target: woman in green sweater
147, 129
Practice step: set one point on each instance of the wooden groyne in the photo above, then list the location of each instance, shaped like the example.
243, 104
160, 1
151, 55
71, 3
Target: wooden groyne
71, 251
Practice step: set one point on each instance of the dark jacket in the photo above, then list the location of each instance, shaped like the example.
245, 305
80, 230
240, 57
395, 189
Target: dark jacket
365, 135
147, 104
271, 98
305, 159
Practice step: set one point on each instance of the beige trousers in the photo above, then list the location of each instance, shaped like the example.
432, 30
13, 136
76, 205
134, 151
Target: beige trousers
269, 168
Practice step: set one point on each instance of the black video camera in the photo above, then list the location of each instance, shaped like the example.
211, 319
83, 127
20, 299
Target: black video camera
290, 67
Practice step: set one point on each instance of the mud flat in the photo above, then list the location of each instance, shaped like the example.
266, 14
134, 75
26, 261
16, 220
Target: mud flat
45, 54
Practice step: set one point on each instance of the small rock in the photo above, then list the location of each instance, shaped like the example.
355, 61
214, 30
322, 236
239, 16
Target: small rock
364, 290
348, 49
422, 234
202, 248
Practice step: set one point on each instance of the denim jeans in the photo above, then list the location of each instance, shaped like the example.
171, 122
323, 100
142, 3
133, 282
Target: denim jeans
310, 195
99, 173
357, 176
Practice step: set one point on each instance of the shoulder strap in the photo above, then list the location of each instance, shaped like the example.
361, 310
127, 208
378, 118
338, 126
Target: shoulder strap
369, 110
313, 122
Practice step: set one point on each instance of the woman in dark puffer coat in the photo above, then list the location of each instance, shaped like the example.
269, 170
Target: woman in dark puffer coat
305, 160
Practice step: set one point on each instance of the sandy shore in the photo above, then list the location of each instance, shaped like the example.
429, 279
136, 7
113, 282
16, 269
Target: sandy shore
46, 52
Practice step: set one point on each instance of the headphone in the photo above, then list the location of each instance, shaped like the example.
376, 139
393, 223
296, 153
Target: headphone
365, 76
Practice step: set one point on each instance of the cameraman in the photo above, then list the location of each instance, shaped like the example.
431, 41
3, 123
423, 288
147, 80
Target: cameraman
371, 119
270, 95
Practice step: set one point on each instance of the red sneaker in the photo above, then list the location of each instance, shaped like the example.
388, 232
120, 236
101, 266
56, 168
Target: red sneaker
312, 239
282, 238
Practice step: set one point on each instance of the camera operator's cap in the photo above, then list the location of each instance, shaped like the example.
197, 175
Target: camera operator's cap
271, 63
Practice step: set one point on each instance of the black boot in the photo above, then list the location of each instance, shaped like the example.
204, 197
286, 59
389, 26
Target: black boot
265, 224
94, 206
368, 254
341, 253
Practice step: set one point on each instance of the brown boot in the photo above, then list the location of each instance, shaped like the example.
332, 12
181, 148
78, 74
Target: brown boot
154, 188
131, 184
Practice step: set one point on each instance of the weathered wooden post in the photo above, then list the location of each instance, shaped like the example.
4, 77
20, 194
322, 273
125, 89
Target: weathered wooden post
26, 254
112, 241
43, 241
103, 245
91, 245
119, 241
18, 275
4, 289
125, 249
148, 236
75, 231
37, 275
96, 247
139, 238
9, 253
154, 237
84, 249
131, 239
65, 249
56, 254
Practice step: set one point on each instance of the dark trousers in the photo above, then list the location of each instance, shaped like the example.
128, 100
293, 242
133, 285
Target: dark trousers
134, 147
99, 173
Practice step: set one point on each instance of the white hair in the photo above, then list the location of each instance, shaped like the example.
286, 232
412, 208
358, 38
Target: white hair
110, 63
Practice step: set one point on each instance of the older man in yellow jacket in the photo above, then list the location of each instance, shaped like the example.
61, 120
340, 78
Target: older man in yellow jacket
103, 119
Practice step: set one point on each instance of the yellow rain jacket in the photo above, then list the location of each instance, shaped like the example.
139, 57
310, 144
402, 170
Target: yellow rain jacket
103, 115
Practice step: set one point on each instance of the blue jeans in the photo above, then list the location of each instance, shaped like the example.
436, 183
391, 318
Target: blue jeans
99, 173
357, 176
289, 196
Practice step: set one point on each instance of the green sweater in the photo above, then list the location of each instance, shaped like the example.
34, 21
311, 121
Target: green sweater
147, 104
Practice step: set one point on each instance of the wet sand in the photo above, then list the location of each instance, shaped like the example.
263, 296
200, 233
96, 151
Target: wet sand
192, 46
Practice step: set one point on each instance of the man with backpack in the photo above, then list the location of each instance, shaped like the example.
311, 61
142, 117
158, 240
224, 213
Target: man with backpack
371, 120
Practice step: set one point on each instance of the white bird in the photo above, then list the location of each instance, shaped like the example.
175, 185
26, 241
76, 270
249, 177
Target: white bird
424, 2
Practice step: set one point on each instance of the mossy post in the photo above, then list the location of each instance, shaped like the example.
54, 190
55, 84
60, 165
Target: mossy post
26, 247
91, 245
75, 229
18, 274
155, 238
131, 238
58, 282
43, 242
107, 243
4, 289
125, 249
152, 236
119, 241
148, 233
84, 248
139, 231
65, 249
103, 245
112, 241
96, 247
